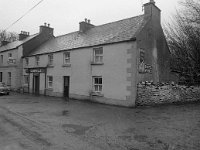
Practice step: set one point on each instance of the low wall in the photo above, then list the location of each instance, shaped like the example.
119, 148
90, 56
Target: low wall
148, 94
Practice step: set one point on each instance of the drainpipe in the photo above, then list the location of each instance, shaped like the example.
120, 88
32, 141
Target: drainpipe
29, 83
45, 82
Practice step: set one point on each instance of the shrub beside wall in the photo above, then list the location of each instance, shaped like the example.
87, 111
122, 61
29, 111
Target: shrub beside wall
149, 94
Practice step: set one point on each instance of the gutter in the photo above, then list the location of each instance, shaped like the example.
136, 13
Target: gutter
131, 39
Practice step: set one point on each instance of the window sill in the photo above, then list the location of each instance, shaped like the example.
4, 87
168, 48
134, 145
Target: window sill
97, 63
99, 94
49, 89
66, 65
50, 65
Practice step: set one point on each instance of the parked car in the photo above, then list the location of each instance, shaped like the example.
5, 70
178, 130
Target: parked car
4, 89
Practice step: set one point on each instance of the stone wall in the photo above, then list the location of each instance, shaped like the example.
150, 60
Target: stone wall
149, 94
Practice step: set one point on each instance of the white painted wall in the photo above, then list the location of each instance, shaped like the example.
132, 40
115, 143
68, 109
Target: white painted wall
113, 71
15, 69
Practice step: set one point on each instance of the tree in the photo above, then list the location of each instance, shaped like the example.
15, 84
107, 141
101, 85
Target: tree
8, 36
183, 36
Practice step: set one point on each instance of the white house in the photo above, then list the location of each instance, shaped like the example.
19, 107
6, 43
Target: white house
101, 63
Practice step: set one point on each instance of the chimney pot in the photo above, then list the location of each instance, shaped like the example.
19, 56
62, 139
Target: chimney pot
23, 35
45, 24
152, 1
48, 25
85, 25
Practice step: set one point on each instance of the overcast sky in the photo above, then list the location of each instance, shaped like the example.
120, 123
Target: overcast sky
64, 15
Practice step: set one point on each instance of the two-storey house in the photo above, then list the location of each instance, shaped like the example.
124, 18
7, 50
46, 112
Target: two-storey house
101, 63
11, 66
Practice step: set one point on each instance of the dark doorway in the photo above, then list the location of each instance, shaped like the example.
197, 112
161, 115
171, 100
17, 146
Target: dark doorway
66, 86
36, 84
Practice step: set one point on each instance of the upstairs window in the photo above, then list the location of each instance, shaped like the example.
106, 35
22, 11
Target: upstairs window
9, 55
66, 57
50, 59
26, 79
9, 78
49, 81
37, 60
98, 55
1, 76
1, 59
97, 84
26, 61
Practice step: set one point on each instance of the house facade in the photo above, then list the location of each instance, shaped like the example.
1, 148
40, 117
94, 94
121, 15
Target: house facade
101, 63
11, 65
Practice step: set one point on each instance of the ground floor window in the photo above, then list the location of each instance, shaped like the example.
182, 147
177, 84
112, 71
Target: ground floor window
97, 84
1, 76
9, 78
49, 81
26, 79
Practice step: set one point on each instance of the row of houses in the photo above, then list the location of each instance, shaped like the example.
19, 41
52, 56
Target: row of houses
101, 63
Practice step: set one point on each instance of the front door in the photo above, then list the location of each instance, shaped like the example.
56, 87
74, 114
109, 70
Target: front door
66, 86
36, 84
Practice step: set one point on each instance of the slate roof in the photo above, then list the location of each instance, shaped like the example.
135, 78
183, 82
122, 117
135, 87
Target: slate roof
118, 31
16, 44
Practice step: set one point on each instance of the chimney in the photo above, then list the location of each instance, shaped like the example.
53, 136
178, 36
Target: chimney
46, 29
151, 10
4, 42
23, 35
85, 25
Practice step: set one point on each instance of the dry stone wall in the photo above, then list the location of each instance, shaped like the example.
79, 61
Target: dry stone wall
150, 94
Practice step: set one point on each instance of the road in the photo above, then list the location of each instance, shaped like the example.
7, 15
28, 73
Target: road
48, 123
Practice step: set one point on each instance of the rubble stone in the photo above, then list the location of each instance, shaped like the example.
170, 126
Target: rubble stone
149, 94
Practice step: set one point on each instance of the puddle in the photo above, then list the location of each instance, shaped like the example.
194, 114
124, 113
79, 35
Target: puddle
65, 112
125, 137
33, 113
140, 138
76, 129
22, 102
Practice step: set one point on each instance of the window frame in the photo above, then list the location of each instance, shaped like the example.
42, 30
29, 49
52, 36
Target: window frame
1, 76
27, 61
98, 85
37, 60
49, 82
98, 57
66, 58
26, 79
9, 79
1, 59
50, 59
9, 55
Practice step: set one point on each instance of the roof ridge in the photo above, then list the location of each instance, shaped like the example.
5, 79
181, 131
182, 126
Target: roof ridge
101, 25
120, 20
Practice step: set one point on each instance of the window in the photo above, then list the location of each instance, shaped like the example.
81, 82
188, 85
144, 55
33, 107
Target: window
142, 54
49, 81
9, 78
37, 60
50, 59
66, 57
141, 64
9, 55
1, 76
26, 79
1, 59
98, 55
97, 84
27, 61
